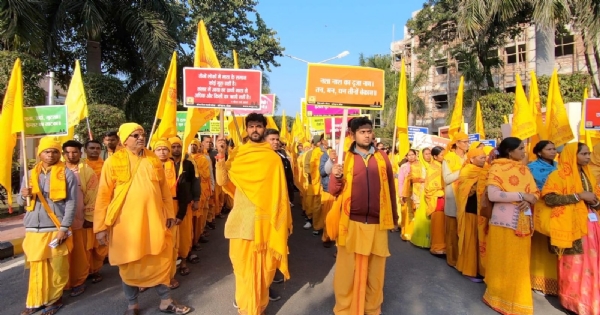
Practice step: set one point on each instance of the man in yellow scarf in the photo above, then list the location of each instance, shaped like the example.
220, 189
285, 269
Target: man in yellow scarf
259, 223
92, 149
134, 207
311, 161
366, 208
48, 241
206, 185
83, 235
216, 199
453, 162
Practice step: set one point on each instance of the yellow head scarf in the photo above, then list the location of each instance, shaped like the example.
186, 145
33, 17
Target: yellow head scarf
175, 140
487, 149
474, 153
459, 136
49, 143
162, 143
422, 160
568, 223
127, 129
474, 145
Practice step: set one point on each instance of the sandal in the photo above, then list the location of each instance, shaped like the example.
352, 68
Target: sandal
29, 311
174, 284
52, 309
193, 259
96, 277
184, 271
77, 291
176, 309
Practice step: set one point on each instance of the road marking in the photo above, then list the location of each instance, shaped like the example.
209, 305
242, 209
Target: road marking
8, 266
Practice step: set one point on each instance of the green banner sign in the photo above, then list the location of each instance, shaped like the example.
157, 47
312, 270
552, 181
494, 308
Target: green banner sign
48, 120
181, 121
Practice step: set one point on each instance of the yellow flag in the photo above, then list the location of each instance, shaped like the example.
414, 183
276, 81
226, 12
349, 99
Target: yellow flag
479, 128
505, 119
584, 135
284, 130
204, 57
233, 132
271, 123
523, 124
456, 124
557, 121
76, 103
304, 113
299, 133
534, 102
402, 114
167, 105
235, 60
11, 123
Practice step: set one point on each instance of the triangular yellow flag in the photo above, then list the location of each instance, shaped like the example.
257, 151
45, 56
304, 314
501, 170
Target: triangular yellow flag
11, 123
523, 124
402, 114
204, 57
456, 124
284, 130
76, 103
557, 121
479, 128
540, 127
271, 123
167, 105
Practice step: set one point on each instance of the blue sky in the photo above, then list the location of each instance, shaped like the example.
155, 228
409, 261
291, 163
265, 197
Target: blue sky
315, 30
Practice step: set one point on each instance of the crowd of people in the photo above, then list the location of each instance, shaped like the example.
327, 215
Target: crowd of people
492, 214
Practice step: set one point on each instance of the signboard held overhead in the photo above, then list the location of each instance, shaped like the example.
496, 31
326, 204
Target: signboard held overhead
345, 86
222, 88
267, 107
328, 112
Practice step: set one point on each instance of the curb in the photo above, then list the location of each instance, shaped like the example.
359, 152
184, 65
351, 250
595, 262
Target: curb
11, 248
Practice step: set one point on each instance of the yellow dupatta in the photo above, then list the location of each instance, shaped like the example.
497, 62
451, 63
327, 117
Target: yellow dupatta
267, 190
95, 165
58, 183
170, 176
314, 186
514, 176
338, 220
568, 223
455, 163
122, 176
470, 181
434, 186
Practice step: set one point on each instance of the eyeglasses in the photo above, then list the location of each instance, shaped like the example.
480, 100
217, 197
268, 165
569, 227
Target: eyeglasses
138, 135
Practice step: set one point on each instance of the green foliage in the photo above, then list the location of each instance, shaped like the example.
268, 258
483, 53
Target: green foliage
104, 89
288, 119
102, 119
493, 108
32, 69
386, 134
571, 87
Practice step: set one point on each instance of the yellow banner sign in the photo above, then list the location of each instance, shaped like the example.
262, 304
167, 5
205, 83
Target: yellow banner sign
317, 124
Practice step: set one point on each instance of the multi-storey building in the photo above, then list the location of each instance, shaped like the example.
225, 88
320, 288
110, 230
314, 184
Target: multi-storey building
518, 56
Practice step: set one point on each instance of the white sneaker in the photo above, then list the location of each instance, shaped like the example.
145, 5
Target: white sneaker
307, 226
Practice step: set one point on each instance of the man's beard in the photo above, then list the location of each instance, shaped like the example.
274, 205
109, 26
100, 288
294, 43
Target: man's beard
259, 138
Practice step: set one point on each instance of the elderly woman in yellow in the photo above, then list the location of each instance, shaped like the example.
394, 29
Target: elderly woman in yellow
434, 200
512, 190
453, 162
573, 195
415, 185
470, 186
408, 213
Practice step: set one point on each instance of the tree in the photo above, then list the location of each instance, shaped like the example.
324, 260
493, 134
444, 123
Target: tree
32, 69
102, 118
494, 107
104, 89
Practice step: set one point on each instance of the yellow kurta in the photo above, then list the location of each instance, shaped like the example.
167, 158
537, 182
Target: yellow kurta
98, 253
139, 242
313, 187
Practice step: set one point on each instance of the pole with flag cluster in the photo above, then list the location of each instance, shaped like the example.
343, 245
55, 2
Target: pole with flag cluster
167, 107
401, 121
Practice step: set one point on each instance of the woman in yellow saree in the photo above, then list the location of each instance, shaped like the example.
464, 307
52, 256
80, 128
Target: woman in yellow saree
470, 186
407, 220
574, 197
512, 189
434, 199
421, 236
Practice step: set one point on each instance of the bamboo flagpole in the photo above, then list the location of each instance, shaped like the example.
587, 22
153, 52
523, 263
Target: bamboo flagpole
151, 131
87, 121
343, 137
25, 168
237, 128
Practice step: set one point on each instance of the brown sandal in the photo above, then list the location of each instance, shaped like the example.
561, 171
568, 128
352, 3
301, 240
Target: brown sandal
29, 311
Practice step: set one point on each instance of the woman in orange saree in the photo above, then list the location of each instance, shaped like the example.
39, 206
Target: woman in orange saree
434, 199
407, 220
574, 197
512, 189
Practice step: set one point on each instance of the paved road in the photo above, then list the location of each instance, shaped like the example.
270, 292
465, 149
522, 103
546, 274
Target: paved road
416, 283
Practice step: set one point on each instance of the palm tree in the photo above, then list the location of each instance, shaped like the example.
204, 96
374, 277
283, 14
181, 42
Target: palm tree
475, 15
